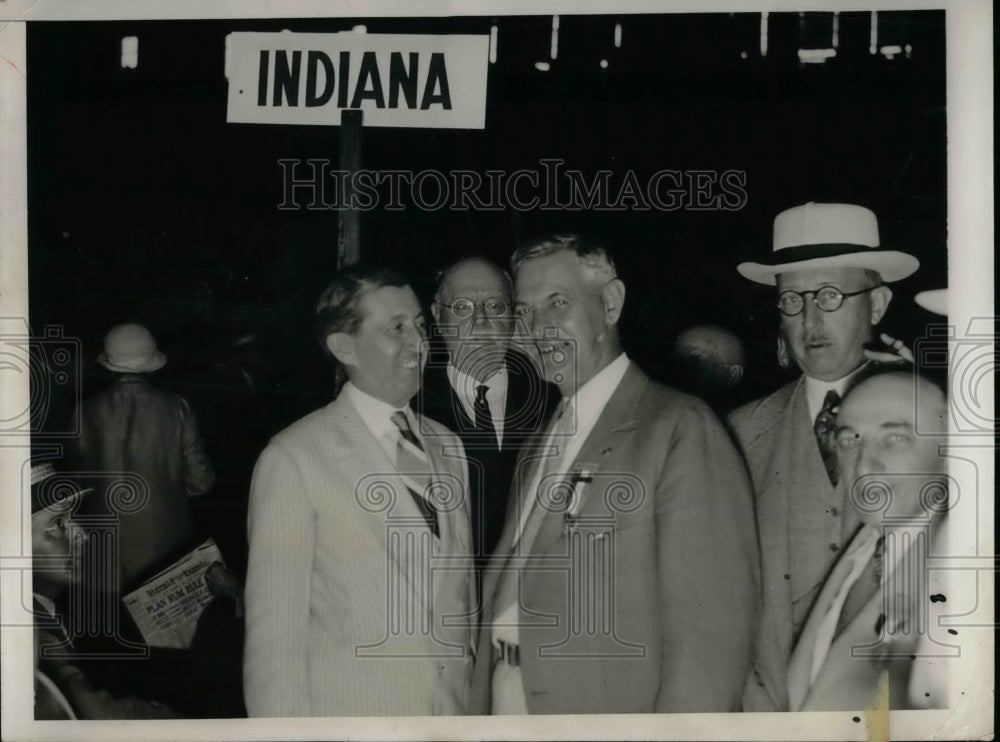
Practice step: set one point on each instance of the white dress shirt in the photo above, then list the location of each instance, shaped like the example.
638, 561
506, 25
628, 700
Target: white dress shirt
377, 415
496, 395
587, 405
816, 390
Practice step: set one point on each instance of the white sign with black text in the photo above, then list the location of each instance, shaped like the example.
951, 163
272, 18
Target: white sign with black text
401, 80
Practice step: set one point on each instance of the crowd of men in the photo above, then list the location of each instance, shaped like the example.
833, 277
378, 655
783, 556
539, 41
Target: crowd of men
502, 514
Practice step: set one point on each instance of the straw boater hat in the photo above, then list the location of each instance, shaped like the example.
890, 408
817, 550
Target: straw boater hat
131, 349
816, 236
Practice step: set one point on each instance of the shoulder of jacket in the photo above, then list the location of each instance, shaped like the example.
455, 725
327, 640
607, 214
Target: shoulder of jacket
311, 425
762, 413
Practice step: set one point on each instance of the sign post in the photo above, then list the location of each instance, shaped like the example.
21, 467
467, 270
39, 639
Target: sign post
349, 223
342, 79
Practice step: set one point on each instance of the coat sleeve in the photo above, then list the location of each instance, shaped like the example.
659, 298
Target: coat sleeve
199, 476
708, 562
281, 532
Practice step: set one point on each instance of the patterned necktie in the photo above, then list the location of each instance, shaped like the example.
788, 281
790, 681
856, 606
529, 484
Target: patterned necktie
484, 419
825, 428
413, 465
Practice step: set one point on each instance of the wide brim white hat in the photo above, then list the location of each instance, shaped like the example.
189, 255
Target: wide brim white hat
131, 349
817, 236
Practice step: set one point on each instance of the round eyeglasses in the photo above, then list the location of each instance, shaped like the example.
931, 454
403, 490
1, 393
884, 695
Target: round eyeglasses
463, 308
827, 298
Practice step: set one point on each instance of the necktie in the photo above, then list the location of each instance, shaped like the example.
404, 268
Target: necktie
825, 428
413, 465
484, 419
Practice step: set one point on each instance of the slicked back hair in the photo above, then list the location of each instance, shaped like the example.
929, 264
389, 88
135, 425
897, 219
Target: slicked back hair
337, 307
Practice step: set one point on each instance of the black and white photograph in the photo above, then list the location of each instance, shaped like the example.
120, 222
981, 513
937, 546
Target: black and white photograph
484, 371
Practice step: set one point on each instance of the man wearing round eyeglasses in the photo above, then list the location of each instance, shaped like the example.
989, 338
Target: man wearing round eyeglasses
489, 393
830, 274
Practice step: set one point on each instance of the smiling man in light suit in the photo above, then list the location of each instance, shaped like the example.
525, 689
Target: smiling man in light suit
351, 510
626, 577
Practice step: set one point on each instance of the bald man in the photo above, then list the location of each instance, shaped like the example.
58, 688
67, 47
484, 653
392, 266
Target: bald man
890, 430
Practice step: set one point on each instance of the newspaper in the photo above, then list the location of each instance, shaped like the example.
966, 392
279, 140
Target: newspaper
166, 607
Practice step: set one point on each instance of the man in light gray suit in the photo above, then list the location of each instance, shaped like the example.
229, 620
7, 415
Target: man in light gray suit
626, 578
830, 274
359, 585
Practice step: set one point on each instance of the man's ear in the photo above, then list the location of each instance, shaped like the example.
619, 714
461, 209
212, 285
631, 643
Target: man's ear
880, 302
735, 373
613, 294
341, 345
436, 312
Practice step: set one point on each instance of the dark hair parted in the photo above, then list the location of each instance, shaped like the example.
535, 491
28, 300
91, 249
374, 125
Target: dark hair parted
337, 307
591, 253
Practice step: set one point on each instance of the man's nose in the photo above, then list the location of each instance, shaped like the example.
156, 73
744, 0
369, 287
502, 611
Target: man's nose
812, 315
869, 462
481, 320
538, 327
413, 337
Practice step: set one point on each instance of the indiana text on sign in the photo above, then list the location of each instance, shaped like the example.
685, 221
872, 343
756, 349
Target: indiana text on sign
403, 77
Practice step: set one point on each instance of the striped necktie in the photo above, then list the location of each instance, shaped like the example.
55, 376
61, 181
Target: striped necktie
413, 465
825, 428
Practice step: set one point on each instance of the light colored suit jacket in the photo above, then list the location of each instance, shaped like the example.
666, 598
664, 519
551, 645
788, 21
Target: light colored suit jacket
346, 611
673, 568
777, 438
846, 682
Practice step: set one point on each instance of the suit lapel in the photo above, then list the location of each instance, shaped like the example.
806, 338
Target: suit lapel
360, 458
800, 663
772, 504
611, 430
528, 461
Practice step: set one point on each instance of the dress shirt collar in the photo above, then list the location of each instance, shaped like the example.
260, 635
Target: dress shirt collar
816, 390
465, 386
375, 413
590, 400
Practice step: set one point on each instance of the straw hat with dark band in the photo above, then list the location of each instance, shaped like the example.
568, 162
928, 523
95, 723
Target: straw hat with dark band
816, 236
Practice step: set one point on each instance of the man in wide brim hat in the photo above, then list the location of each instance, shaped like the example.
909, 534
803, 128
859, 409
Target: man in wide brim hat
820, 236
831, 271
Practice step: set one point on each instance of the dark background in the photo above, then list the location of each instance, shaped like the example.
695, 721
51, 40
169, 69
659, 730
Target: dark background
145, 205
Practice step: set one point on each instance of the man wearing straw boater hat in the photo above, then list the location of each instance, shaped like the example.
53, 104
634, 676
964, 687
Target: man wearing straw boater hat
830, 272
134, 427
